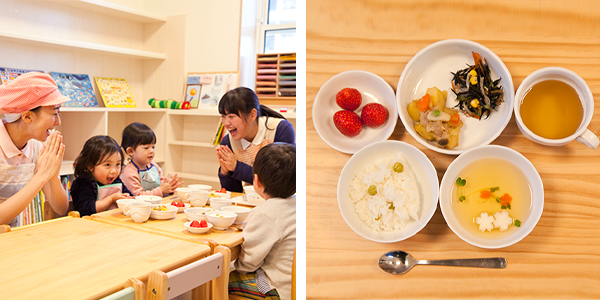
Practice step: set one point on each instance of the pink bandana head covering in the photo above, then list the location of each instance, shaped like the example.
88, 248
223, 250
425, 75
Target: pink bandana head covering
27, 92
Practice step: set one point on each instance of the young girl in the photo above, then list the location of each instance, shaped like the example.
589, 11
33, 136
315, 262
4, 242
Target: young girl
31, 105
141, 175
97, 186
264, 266
251, 126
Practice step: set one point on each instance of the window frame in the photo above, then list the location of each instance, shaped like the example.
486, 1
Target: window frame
263, 26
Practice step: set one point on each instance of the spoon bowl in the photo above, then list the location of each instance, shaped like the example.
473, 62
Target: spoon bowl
400, 262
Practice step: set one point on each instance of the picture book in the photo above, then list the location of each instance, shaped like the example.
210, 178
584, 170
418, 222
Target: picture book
9, 74
115, 92
78, 87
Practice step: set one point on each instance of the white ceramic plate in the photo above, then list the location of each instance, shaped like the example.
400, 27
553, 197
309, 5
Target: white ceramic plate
373, 89
427, 182
431, 67
537, 193
242, 200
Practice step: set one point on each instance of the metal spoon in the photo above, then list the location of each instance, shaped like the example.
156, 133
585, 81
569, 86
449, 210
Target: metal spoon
400, 262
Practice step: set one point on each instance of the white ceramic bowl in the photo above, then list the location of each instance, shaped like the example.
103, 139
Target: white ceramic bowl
200, 187
217, 203
219, 195
431, 67
163, 215
241, 212
221, 220
122, 202
249, 189
197, 230
427, 183
197, 213
182, 209
149, 198
373, 89
537, 192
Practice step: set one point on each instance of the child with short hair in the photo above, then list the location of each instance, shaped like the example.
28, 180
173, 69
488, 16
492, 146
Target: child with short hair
97, 186
264, 266
142, 176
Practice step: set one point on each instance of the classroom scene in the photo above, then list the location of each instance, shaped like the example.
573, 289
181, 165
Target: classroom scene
148, 149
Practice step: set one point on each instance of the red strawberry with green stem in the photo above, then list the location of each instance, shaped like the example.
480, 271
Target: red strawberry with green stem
347, 122
374, 115
349, 99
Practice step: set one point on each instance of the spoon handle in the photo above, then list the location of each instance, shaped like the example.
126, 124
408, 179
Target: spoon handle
496, 262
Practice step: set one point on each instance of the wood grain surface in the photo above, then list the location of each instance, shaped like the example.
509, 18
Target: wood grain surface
74, 258
560, 258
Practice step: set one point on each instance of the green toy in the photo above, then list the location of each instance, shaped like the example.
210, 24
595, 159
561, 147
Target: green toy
172, 104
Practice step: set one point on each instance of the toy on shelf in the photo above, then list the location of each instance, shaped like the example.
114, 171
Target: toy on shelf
172, 104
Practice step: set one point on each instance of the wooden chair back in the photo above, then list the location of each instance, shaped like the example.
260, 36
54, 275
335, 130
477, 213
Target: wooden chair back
4, 228
213, 269
134, 289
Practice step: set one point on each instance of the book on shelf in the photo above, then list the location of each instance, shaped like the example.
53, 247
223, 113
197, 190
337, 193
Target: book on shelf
33, 212
115, 92
9, 74
78, 87
219, 134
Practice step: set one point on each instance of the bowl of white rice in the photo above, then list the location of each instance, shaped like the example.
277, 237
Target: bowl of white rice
388, 191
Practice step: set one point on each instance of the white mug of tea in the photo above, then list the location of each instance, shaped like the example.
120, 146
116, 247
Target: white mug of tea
138, 210
554, 106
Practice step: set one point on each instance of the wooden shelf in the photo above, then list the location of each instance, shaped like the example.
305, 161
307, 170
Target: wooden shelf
66, 168
198, 177
112, 9
79, 45
192, 144
112, 109
276, 77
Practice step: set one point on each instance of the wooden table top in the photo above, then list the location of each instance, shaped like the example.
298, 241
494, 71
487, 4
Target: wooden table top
174, 227
75, 258
560, 258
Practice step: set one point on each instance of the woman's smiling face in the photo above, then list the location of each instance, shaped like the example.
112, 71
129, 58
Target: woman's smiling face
239, 127
45, 119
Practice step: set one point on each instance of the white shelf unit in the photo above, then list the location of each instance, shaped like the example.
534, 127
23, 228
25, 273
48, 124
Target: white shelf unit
113, 10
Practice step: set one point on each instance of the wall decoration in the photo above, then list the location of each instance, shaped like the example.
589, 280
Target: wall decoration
78, 87
115, 92
204, 90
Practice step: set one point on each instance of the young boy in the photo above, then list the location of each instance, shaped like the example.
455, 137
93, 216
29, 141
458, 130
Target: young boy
264, 267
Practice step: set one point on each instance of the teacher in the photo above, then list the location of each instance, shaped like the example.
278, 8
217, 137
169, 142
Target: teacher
30, 105
250, 127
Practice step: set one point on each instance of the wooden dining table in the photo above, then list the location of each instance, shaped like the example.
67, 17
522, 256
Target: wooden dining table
232, 238
74, 258
560, 258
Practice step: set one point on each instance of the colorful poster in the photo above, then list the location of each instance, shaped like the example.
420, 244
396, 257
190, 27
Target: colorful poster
115, 92
9, 74
78, 87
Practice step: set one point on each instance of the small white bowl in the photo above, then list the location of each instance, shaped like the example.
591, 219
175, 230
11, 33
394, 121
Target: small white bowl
182, 209
373, 89
241, 212
197, 213
249, 189
122, 202
427, 184
431, 67
200, 187
197, 230
217, 203
221, 220
537, 194
163, 215
219, 195
149, 198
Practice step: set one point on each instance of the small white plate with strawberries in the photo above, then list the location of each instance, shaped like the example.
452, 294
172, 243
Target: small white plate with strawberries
354, 109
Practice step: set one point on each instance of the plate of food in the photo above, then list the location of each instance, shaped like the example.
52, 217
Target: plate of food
354, 109
388, 191
455, 95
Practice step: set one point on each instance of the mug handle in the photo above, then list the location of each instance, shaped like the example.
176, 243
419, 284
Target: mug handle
589, 139
126, 209
188, 196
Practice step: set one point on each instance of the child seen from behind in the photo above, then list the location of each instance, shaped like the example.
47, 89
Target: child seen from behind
264, 267
97, 186
142, 176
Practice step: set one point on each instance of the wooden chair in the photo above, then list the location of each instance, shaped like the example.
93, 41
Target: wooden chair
134, 289
74, 214
194, 276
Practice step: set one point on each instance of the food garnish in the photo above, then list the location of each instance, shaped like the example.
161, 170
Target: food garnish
477, 94
485, 222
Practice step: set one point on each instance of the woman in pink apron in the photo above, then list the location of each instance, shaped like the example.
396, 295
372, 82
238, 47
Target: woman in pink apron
250, 127
30, 104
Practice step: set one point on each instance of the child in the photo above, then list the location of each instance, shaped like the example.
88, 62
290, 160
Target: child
141, 175
251, 126
264, 266
97, 186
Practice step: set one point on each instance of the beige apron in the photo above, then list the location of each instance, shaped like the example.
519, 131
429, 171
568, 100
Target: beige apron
12, 180
264, 135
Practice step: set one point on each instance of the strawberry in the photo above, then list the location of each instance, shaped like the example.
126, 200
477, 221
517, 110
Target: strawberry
348, 98
374, 115
203, 224
195, 223
347, 122
223, 190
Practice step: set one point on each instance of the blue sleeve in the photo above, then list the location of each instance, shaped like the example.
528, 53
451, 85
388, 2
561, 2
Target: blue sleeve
227, 181
84, 193
285, 133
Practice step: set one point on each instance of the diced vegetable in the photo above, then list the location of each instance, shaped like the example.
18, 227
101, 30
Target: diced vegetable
413, 111
485, 222
503, 220
441, 116
424, 103
423, 132
455, 119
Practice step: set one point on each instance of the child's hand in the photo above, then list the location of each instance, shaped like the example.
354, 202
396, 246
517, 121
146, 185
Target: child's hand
117, 196
168, 185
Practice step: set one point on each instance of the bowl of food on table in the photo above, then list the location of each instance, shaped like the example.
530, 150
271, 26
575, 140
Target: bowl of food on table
221, 220
491, 196
181, 206
241, 212
455, 95
197, 213
354, 109
200, 187
149, 198
163, 211
198, 227
388, 191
